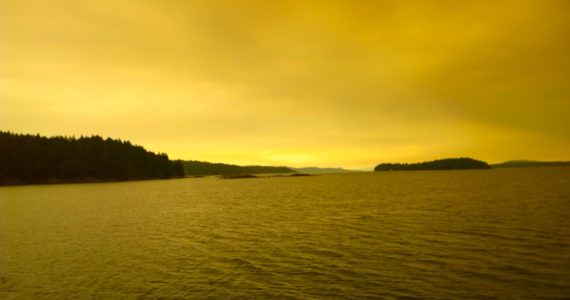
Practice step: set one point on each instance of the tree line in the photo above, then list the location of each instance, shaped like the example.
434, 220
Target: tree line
28, 158
193, 167
440, 164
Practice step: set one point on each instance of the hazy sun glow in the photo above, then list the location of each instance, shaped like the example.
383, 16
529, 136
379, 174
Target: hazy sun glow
297, 83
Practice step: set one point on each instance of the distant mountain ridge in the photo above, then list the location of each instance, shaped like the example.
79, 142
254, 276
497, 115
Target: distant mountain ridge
462, 163
531, 164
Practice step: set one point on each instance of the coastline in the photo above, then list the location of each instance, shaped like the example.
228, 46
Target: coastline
50, 181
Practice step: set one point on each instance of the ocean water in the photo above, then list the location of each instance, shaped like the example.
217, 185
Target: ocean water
501, 233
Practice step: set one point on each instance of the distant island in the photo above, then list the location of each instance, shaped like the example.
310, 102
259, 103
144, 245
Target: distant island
33, 159
440, 164
531, 164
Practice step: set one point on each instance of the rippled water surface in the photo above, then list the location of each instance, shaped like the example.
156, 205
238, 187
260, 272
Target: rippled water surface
426, 234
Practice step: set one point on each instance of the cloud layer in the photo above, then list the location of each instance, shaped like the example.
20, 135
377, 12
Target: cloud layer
330, 83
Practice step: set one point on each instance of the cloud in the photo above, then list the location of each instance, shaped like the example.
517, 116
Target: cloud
294, 81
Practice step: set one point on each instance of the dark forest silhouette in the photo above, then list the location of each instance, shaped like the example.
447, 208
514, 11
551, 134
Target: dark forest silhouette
26, 159
36, 159
441, 164
206, 168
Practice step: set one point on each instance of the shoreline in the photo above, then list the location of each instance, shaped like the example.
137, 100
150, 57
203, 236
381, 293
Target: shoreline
54, 181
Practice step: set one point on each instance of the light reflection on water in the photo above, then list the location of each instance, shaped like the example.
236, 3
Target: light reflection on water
424, 234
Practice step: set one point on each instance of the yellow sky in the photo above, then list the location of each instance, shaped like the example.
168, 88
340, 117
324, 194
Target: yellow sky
298, 83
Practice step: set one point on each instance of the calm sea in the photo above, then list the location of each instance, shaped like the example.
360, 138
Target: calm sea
501, 233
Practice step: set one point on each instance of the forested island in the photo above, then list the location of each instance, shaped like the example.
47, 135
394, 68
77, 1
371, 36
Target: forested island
440, 164
193, 167
531, 164
30, 159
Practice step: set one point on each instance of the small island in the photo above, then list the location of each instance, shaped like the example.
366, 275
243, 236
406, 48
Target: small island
462, 163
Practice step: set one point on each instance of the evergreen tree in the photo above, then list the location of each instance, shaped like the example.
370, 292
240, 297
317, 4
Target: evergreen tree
36, 159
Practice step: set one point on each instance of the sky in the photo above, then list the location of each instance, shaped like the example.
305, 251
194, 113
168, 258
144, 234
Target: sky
298, 83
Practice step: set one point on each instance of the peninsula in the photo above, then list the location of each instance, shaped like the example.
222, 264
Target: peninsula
35, 159
200, 168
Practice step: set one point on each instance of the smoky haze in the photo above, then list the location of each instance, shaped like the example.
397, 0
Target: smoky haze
294, 83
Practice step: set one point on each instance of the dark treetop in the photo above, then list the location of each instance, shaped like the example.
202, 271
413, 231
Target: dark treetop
37, 159
440, 164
